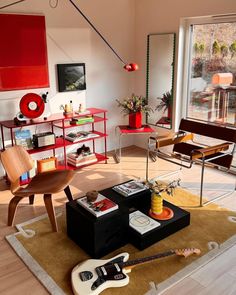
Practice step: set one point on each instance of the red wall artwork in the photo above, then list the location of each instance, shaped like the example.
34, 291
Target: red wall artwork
23, 52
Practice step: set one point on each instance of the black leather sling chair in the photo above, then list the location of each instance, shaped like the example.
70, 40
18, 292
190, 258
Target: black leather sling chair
186, 151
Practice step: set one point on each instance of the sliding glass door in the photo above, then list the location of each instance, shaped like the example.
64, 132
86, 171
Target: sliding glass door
211, 86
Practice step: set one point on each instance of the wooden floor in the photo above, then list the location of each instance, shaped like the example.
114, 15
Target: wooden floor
217, 277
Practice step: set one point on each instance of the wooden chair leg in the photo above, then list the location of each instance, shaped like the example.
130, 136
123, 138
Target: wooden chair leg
31, 199
50, 211
68, 193
12, 209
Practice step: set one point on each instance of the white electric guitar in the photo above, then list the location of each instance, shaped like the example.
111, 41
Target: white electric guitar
93, 276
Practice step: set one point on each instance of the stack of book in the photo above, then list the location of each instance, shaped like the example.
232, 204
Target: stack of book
79, 160
82, 120
80, 135
101, 206
141, 222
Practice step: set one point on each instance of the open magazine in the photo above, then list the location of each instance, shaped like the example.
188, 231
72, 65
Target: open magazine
80, 135
129, 188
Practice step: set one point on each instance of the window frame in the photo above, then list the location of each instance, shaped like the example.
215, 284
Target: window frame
185, 36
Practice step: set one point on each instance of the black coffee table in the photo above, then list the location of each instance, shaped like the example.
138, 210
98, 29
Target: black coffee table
100, 236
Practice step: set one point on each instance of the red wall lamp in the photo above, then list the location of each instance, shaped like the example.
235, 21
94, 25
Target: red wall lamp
130, 67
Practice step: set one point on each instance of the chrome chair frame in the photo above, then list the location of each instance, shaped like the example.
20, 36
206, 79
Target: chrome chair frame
202, 155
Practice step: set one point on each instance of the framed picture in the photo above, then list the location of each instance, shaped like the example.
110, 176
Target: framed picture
23, 52
71, 77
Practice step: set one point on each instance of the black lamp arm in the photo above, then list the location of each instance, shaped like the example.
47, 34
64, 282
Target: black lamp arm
13, 3
96, 30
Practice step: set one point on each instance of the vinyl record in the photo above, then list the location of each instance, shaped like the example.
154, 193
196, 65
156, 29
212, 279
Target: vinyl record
32, 105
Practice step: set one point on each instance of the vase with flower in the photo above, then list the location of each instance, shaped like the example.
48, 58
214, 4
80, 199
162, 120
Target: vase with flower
134, 106
158, 211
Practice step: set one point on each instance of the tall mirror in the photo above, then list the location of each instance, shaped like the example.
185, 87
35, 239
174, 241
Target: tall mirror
160, 78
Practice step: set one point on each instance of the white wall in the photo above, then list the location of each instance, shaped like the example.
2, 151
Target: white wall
156, 16
71, 39
125, 24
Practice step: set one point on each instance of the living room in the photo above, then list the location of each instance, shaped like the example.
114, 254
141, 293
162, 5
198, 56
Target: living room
70, 39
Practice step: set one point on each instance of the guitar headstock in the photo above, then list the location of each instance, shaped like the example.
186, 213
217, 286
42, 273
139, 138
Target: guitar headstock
187, 252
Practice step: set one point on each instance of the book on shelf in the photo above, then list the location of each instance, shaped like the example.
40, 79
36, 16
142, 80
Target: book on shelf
79, 160
141, 222
80, 135
100, 207
82, 120
86, 112
23, 137
129, 188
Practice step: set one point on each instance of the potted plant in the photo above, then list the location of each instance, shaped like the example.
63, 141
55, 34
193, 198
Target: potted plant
166, 103
134, 106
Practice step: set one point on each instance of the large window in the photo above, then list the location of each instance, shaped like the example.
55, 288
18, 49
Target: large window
211, 85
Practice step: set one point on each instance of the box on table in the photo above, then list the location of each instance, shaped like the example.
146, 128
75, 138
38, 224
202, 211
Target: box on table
98, 236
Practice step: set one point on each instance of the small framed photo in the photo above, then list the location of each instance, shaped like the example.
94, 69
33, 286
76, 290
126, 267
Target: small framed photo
71, 77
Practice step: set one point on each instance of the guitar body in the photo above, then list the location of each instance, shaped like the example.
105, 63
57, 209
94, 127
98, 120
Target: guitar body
93, 276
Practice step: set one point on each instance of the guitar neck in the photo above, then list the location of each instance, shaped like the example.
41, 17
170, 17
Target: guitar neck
132, 263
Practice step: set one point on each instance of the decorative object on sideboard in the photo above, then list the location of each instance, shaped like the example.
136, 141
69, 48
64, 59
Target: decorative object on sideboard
134, 106
83, 150
44, 139
31, 106
67, 111
47, 164
92, 196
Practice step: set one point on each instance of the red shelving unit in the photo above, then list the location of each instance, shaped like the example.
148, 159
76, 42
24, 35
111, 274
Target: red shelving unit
62, 122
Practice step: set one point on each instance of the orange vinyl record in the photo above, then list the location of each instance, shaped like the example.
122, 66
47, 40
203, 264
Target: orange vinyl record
32, 105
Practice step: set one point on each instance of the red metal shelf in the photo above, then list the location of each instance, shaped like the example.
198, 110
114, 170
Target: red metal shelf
62, 122
51, 118
68, 125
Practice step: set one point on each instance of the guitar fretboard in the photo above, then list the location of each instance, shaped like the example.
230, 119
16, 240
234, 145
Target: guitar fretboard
146, 259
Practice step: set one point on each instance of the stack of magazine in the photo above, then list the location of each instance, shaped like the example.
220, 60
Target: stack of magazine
79, 160
101, 206
80, 135
130, 188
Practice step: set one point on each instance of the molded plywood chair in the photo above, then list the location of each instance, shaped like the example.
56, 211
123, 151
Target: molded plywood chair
16, 161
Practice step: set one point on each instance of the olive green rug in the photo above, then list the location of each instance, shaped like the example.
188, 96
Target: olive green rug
51, 256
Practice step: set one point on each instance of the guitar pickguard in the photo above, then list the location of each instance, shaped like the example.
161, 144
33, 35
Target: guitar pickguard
93, 276
111, 271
